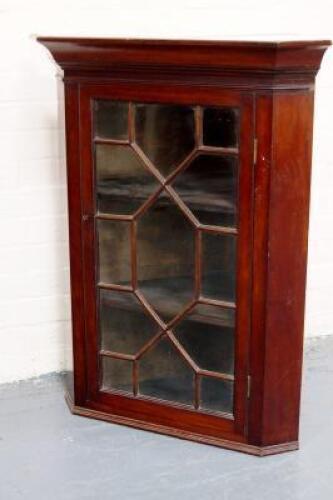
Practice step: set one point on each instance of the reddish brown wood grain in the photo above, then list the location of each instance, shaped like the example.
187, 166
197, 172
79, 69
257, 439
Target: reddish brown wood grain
90, 53
284, 125
286, 266
228, 64
262, 172
75, 240
272, 84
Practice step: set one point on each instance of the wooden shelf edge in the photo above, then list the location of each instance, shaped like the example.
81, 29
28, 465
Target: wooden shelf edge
259, 451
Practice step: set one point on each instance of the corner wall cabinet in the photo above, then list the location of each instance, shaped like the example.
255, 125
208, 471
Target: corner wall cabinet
188, 178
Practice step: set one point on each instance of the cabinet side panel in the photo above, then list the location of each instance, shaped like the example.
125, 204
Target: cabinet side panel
74, 215
262, 172
288, 214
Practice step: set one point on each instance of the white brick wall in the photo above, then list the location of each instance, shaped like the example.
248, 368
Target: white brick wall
34, 281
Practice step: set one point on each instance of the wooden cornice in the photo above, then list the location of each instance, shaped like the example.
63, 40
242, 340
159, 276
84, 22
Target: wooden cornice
272, 63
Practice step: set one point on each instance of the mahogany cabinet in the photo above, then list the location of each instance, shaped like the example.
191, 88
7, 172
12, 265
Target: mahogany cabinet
188, 179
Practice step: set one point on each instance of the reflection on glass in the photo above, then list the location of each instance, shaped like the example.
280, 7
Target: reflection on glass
125, 326
207, 334
208, 187
164, 374
114, 252
219, 266
116, 374
165, 133
220, 127
123, 183
111, 119
165, 257
217, 394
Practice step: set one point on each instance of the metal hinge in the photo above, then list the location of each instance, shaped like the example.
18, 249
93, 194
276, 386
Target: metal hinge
248, 386
255, 150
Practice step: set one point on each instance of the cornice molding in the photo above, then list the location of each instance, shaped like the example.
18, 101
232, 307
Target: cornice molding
181, 59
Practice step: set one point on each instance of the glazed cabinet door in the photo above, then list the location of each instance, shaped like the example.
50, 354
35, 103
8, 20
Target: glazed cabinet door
166, 182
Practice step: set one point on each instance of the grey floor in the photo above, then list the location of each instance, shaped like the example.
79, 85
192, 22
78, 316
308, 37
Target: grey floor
46, 453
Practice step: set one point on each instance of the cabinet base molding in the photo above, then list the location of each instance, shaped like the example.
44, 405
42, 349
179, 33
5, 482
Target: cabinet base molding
259, 451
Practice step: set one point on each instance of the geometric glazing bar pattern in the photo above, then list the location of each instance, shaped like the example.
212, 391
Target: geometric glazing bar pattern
166, 225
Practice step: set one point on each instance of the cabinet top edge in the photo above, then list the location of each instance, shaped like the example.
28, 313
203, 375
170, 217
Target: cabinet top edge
273, 56
109, 42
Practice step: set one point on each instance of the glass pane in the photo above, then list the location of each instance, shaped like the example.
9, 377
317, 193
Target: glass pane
114, 252
164, 374
111, 119
220, 127
219, 266
165, 257
217, 394
208, 186
123, 183
165, 133
116, 374
207, 334
125, 326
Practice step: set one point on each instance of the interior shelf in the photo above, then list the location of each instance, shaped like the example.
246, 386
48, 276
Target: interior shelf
112, 193
170, 295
